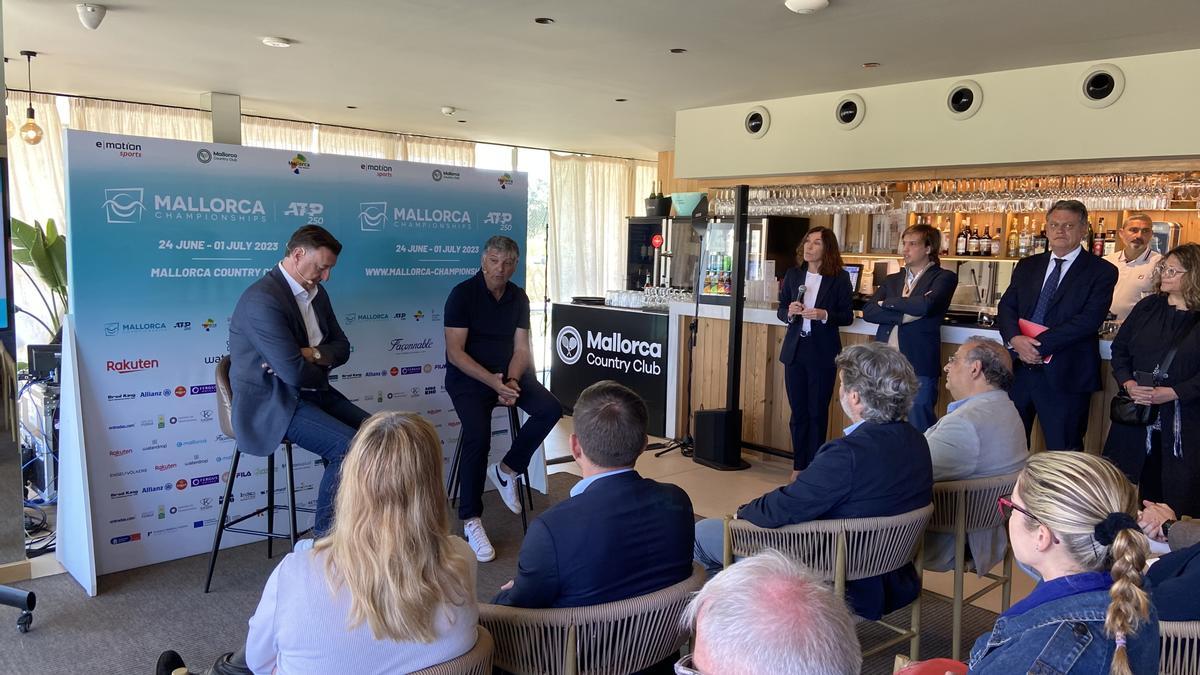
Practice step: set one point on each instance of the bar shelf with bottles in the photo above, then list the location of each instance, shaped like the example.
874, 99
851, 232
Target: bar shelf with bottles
1012, 235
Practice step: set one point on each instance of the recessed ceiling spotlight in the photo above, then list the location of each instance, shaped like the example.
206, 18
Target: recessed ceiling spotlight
678, 50
352, 107
544, 20
278, 42
620, 100
462, 121
872, 64
806, 6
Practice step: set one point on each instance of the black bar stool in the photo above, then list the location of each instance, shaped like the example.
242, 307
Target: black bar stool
224, 413
526, 495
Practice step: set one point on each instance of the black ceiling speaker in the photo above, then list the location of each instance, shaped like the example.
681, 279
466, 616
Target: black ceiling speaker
964, 99
850, 111
757, 121
1101, 85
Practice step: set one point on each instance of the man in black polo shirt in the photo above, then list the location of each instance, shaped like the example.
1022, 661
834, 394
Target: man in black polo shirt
489, 363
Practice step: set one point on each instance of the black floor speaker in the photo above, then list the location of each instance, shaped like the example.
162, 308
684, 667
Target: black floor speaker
719, 440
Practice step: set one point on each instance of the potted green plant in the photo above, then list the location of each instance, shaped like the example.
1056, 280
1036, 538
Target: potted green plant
43, 250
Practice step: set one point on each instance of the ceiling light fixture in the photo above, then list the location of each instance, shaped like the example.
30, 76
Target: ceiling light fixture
91, 15
449, 110
31, 133
544, 20
620, 100
806, 6
351, 107
678, 50
462, 121
277, 42
872, 64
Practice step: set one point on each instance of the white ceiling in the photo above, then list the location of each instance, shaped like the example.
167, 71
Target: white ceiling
520, 83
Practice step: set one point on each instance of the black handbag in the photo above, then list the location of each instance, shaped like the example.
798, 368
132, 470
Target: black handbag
1123, 410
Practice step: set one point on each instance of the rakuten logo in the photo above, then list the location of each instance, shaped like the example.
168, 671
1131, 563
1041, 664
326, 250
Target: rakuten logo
126, 366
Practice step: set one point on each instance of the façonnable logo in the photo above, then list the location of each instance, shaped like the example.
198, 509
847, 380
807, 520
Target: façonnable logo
372, 216
124, 206
505, 180
568, 344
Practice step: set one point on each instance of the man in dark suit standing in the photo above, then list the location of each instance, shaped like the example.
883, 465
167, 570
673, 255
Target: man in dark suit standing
881, 467
283, 341
1068, 290
909, 307
619, 535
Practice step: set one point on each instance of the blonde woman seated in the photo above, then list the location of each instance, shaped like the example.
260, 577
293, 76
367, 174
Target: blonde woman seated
389, 589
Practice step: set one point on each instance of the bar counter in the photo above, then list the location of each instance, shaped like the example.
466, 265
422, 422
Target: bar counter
765, 411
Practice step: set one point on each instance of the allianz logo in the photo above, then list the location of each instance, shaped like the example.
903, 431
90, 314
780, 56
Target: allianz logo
614, 342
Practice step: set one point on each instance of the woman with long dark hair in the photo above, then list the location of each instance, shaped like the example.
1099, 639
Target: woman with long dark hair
815, 302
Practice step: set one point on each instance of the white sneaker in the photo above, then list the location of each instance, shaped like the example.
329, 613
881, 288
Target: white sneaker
478, 539
507, 486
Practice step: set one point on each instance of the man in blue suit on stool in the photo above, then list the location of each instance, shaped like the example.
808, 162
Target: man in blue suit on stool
619, 535
1068, 290
283, 341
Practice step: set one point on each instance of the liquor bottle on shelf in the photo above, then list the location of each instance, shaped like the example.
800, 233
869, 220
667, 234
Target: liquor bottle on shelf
1026, 240
944, 227
972, 238
1014, 241
1098, 244
998, 243
960, 244
1040, 243
1110, 240
985, 241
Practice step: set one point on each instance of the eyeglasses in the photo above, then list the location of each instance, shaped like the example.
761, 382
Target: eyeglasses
1169, 272
1007, 506
684, 666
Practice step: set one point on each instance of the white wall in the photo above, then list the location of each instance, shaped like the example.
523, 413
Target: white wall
1028, 115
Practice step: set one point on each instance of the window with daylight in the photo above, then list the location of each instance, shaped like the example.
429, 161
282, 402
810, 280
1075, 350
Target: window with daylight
536, 163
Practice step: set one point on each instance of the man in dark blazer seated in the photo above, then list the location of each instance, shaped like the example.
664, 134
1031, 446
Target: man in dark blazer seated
619, 535
909, 307
1068, 290
881, 467
283, 340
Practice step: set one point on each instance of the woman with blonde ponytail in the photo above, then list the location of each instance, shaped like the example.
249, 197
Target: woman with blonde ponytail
389, 589
1072, 518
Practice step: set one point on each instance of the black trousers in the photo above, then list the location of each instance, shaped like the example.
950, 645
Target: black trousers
809, 391
474, 402
1064, 415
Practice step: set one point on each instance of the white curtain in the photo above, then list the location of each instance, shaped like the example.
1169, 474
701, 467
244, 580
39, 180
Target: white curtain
262, 132
356, 142
36, 184
590, 197
136, 119
438, 151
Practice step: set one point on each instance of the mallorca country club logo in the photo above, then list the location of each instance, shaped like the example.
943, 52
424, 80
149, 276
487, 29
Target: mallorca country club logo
569, 345
372, 216
298, 162
437, 175
204, 155
124, 206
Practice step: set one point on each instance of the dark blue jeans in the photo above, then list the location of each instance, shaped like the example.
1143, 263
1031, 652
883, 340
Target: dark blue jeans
324, 423
921, 415
474, 402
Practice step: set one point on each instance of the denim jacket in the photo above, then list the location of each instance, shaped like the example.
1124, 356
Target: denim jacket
1063, 635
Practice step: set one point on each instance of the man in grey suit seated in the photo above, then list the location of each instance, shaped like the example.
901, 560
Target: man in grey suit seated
981, 435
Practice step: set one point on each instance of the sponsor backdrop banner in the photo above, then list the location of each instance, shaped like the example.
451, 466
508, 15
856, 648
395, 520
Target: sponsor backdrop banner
166, 235
601, 343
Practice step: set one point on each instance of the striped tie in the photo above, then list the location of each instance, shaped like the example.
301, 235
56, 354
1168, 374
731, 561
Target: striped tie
1043, 303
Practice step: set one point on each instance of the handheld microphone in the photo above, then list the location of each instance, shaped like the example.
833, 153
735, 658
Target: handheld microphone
800, 298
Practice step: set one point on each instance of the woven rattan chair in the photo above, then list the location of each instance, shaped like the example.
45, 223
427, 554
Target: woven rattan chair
1180, 653
841, 551
961, 507
478, 661
609, 639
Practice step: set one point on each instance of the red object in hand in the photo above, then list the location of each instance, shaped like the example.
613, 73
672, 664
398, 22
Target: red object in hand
656, 241
1032, 330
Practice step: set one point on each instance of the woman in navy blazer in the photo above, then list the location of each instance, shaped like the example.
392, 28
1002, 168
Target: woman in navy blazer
813, 339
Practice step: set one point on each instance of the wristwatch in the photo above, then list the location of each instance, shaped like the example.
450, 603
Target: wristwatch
316, 354
1166, 526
